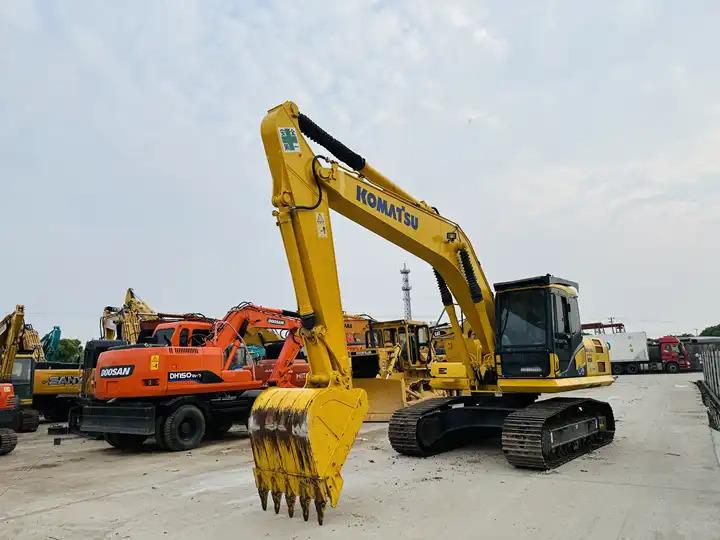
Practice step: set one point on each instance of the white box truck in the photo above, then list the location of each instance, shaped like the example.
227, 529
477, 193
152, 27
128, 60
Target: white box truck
629, 353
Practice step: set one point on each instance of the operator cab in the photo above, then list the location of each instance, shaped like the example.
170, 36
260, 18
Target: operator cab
22, 377
181, 334
537, 321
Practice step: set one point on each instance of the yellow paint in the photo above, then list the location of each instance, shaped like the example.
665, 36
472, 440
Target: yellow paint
154, 362
48, 382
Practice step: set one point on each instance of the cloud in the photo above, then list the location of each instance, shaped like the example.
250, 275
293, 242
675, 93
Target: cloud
576, 140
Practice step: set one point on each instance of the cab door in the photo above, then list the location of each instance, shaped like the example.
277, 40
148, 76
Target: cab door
567, 338
561, 334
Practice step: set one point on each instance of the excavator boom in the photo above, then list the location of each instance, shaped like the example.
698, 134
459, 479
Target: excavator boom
11, 328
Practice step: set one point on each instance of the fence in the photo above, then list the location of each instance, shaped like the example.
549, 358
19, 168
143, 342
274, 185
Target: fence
710, 386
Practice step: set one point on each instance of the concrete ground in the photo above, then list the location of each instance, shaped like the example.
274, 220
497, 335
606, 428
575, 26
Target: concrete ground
660, 479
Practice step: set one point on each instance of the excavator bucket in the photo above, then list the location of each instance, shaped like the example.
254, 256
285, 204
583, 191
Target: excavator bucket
300, 439
385, 396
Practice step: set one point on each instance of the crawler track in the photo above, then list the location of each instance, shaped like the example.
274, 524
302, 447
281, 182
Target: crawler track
539, 435
405, 424
549, 433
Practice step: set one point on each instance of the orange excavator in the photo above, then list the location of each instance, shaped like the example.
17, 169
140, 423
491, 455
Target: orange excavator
194, 380
9, 418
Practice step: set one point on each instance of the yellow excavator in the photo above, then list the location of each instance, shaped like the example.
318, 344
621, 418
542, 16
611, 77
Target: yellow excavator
19, 352
525, 338
392, 366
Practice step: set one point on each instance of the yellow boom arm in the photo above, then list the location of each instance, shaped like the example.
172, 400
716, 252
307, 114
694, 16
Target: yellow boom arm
301, 437
11, 327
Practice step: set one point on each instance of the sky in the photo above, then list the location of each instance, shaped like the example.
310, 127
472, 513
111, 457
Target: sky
575, 138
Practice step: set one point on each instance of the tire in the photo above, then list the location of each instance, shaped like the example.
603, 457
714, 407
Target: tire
218, 429
125, 442
184, 428
632, 369
8, 441
617, 369
672, 367
29, 420
160, 433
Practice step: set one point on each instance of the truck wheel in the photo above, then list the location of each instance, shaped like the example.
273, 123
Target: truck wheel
8, 441
125, 442
617, 369
217, 430
632, 369
672, 367
29, 420
184, 428
160, 433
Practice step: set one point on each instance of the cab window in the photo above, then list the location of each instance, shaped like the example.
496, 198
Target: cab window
423, 336
560, 308
184, 337
164, 337
198, 337
574, 316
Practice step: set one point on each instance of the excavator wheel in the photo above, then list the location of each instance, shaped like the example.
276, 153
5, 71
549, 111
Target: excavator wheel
160, 433
184, 428
8, 441
125, 442
29, 420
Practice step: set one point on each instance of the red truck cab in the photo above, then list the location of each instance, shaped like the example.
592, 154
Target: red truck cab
671, 352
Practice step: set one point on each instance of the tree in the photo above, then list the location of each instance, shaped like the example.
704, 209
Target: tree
70, 351
711, 331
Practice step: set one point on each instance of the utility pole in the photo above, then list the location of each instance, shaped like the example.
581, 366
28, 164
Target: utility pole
405, 273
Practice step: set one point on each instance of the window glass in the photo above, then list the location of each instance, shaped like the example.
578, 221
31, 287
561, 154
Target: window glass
561, 325
574, 316
164, 336
199, 337
21, 369
666, 347
676, 348
184, 337
522, 320
423, 335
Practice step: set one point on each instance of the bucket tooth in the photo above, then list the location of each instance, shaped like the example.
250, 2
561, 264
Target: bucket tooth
320, 508
277, 499
290, 500
305, 505
300, 439
263, 498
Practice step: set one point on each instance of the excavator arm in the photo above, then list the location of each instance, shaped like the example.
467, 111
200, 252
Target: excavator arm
301, 437
230, 331
304, 190
11, 328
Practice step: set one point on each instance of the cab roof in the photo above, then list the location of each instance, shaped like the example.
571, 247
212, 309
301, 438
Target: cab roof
537, 281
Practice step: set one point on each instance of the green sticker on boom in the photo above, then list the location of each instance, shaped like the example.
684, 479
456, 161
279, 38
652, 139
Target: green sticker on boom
289, 140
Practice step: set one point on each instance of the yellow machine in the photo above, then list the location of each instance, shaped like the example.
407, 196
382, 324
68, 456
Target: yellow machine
393, 366
126, 322
19, 350
528, 335
47, 388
